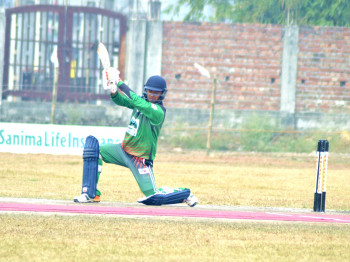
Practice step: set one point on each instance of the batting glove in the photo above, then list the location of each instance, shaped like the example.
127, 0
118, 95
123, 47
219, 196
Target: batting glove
110, 77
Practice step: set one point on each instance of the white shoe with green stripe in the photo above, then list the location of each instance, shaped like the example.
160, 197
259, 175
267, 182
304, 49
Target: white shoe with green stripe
192, 200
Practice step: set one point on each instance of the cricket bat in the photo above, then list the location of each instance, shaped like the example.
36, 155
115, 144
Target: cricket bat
104, 57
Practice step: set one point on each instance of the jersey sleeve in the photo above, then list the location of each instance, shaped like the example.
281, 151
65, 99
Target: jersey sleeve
121, 99
126, 97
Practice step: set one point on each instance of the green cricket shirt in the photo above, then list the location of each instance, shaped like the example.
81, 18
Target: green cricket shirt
145, 123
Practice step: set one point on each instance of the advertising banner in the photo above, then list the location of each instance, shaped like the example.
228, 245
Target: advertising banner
53, 139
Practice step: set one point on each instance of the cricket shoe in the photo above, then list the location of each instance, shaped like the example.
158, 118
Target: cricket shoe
191, 200
84, 198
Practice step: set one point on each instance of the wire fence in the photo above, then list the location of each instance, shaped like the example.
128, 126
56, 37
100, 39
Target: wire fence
253, 140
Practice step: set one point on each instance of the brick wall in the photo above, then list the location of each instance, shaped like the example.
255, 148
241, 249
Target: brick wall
323, 81
248, 59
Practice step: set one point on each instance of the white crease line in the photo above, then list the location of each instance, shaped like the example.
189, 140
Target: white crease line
322, 218
328, 218
325, 218
278, 214
341, 220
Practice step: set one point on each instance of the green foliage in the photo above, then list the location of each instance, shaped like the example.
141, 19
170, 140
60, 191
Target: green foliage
299, 12
261, 134
325, 12
74, 115
257, 136
222, 10
184, 137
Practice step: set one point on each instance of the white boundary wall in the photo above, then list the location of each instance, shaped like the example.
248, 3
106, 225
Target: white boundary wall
53, 139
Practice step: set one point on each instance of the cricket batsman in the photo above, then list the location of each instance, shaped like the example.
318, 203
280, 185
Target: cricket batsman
138, 149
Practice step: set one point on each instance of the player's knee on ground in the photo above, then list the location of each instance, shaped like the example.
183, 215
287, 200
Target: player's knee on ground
166, 199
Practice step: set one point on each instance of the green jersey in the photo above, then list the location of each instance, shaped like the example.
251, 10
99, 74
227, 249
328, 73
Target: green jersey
146, 121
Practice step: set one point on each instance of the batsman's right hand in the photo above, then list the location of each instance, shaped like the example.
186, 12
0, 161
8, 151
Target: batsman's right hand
110, 78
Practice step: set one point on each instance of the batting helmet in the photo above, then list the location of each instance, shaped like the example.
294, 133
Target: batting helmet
156, 83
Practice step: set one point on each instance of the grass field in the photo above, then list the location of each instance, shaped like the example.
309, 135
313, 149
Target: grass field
252, 179
65, 238
269, 180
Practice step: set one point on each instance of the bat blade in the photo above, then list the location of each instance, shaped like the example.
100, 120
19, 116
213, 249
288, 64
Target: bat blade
103, 55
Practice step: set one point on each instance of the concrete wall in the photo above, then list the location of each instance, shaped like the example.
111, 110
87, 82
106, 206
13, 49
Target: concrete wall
135, 54
289, 69
288, 76
107, 114
154, 40
144, 52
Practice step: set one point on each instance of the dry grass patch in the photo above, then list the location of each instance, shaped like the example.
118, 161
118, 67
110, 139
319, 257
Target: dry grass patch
96, 238
269, 180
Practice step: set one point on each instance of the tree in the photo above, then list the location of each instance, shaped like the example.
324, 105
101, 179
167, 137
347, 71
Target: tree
299, 12
222, 10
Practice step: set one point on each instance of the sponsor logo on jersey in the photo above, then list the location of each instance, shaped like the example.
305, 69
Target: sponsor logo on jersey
133, 126
154, 107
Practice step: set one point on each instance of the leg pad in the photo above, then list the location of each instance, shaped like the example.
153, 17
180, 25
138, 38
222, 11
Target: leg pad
90, 168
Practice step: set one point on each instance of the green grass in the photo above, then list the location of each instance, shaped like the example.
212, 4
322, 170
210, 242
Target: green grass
238, 179
84, 238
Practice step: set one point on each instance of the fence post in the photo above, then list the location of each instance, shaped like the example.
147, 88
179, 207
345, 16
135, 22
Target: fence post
289, 74
54, 96
153, 50
211, 114
54, 60
135, 54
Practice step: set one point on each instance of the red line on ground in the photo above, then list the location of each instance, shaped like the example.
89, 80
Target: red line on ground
174, 212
